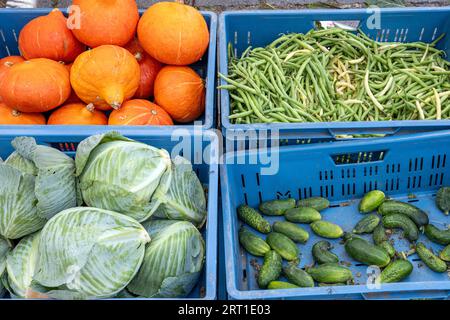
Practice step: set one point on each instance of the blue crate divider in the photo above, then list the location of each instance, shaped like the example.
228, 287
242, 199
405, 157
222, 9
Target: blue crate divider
259, 28
202, 148
13, 20
410, 168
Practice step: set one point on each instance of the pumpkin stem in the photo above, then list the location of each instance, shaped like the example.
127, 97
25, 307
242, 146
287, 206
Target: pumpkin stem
115, 105
90, 107
16, 113
138, 56
9, 64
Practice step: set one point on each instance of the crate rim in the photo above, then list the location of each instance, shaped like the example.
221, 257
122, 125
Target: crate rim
210, 101
390, 127
321, 292
211, 254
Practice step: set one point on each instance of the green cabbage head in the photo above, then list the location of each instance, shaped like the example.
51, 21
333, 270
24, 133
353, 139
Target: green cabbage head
119, 174
173, 260
21, 265
185, 197
88, 253
4, 249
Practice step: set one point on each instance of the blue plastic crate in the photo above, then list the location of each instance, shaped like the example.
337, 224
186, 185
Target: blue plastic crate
410, 168
205, 164
13, 20
259, 28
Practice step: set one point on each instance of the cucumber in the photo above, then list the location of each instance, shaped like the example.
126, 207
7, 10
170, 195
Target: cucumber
331, 284
281, 285
419, 217
430, 259
270, 270
252, 243
276, 207
322, 254
298, 276
330, 273
379, 234
396, 271
291, 230
443, 199
285, 247
437, 235
371, 201
302, 215
397, 220
388, 247
251, 217
367, 224
327, 229
317, 203
445, 254
363, 251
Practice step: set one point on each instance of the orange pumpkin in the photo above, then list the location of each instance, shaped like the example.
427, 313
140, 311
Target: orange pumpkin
149, 69
104, 21
77, 114
181, 92
105, 76
48, 37
173, 33
14, 117
138, 113
36, 85
5, 64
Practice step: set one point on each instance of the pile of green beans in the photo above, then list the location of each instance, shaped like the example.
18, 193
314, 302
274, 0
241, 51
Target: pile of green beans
335, 75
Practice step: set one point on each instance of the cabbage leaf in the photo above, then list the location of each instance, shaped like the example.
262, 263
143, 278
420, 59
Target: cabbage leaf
185, 198
88, 253
18, 211
21, 265
173, 260
55, 186
119, 174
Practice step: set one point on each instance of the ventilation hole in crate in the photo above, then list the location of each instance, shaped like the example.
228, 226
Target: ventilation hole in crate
14, 34
387, 35
2, 35
348, 188
310, 192
245, 198
421, 164
260, 197
442, 179
331, 175
332, 191
354, 173
421, 34
432, 162
434, 34
438, 161
408, 185
359, 264
249, 37
370, 171
257, 179
376, 185
326, 191
376, 170
305, 195
416, 259
430, 183
444, 159
397, 184
365, 188
387, 168
326, 175
358, 157
343, 190
381, 35
65, 146
406, 35
365, 172
396, 35
386, 186
414, 182
244, 275
320, 175
413, 200
243, 180
393, 168
321, 191
419, 184
400, 39
436, 177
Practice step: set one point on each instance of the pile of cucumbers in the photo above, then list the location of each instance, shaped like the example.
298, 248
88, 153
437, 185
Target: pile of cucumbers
283, 236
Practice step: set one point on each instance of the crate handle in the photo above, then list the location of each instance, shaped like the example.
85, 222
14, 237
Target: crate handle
345, 134
408, 295
349, 25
